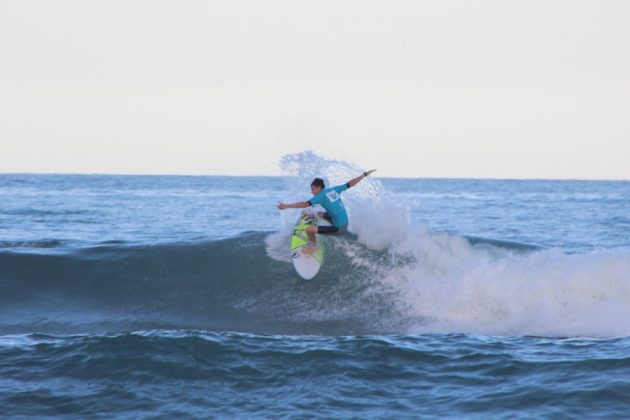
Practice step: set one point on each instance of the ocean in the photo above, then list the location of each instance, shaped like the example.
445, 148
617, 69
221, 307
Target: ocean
164, 296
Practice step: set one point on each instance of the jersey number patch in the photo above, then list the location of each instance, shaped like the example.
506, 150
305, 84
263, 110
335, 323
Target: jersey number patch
332, 196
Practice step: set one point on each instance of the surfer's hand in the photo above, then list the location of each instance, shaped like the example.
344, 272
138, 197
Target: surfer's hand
369, 172
282, 206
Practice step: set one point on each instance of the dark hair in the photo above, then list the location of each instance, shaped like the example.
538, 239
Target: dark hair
318, 182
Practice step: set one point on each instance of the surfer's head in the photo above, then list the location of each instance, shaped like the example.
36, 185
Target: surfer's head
317, 185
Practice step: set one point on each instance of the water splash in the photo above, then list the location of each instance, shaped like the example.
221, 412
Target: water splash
444, 282
375, 217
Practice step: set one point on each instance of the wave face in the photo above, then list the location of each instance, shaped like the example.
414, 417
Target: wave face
427, 282
221, 285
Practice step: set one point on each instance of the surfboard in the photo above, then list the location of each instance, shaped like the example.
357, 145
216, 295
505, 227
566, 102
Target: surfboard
307, 265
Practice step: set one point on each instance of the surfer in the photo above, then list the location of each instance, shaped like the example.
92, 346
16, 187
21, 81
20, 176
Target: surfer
329, 199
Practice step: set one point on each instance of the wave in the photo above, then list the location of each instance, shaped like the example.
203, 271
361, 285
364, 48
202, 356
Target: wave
430, 282
228, 284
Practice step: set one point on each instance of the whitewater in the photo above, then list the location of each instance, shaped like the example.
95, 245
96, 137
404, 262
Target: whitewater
448, 297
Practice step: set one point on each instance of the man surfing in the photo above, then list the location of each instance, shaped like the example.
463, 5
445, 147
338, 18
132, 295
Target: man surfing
329, 199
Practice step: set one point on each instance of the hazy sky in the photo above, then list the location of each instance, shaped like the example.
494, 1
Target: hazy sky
498, 89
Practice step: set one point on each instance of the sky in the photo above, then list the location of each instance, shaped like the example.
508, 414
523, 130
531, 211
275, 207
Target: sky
457, 89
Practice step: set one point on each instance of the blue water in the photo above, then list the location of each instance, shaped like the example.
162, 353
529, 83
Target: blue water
134, 296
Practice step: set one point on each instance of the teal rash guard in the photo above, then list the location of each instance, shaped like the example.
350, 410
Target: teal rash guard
330, 199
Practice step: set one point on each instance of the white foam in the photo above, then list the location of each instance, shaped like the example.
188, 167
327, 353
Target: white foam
456, 287
277, 244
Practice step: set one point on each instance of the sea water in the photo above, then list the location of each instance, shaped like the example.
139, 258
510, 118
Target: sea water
163, 296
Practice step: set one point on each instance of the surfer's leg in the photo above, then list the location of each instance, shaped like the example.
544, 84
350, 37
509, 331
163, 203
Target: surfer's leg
327, 230
332, 230
311, 231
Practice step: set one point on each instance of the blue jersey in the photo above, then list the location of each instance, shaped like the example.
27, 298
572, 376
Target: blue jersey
330, 199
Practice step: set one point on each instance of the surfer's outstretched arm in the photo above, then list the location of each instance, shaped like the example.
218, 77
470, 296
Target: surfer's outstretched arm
358, 179
298, 205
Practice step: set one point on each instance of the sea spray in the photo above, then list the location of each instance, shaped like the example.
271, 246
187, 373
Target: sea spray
377, 218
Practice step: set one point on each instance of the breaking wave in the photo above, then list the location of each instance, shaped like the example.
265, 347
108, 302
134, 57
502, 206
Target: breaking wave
429, 282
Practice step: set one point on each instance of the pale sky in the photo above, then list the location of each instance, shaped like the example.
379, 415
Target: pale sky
484, 89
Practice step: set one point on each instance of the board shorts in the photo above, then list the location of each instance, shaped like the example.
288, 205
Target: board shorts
331, 230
